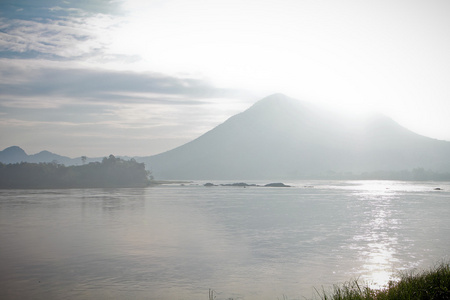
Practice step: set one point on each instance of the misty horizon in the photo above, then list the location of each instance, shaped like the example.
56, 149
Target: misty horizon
279, 137
352, 117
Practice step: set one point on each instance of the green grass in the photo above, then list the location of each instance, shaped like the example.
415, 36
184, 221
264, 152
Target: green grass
432, 284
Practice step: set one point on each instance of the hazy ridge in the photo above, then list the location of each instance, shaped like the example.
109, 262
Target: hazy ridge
280, 137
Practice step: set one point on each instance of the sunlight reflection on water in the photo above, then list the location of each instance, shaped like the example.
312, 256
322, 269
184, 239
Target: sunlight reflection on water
377, 237
380, 226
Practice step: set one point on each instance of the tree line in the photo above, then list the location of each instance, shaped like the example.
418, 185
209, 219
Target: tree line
110, 172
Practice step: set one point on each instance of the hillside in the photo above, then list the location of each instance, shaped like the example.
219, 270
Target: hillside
15, 154
280, 137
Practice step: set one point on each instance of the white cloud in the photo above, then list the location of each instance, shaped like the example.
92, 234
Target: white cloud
133, 106
67, 38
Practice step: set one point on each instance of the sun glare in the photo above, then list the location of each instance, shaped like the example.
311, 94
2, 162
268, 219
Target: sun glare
304, 51
245, 49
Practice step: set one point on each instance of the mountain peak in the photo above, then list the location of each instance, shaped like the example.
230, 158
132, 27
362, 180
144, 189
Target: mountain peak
13, 154
275, 99
277, 105
45, 152
16, 150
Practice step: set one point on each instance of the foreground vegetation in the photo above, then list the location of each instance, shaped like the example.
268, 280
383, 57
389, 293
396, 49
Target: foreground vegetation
433, 284
111, 172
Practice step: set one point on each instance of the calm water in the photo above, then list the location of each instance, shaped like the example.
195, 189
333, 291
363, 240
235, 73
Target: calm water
177, 242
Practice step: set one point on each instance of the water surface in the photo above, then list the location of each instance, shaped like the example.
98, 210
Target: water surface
177, 242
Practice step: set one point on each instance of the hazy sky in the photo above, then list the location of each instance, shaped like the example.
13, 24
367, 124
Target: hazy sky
135, 77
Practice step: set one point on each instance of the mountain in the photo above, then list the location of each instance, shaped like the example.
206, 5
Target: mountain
13, 154
16, 154
283, 138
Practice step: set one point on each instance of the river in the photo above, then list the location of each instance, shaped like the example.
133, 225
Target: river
179, 241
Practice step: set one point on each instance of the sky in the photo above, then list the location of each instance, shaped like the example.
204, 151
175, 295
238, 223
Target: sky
136, 78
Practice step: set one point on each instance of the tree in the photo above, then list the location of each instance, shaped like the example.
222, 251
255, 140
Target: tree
111, 172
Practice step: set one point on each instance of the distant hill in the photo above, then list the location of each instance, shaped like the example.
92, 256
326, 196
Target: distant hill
13, 154
16, 154
283, 138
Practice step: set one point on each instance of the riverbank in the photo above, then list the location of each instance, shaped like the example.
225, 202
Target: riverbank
429, 284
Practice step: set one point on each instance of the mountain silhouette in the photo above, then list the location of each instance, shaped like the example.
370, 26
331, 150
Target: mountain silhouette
283, 138
15, 154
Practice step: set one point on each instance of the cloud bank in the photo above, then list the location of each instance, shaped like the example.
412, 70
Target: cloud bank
104, 105
59, 93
